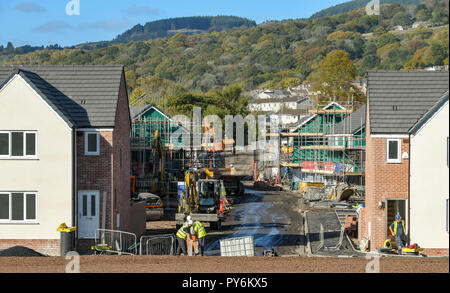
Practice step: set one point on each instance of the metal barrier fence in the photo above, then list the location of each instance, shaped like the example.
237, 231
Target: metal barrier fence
114, 241
331, 248
157, 245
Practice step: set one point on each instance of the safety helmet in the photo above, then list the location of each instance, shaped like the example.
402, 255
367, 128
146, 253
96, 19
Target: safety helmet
398, 217
189, 218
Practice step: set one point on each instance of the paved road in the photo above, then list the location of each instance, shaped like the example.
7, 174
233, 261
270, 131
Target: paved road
272, 218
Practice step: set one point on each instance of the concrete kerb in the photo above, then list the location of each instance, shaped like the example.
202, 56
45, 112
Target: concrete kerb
308, 241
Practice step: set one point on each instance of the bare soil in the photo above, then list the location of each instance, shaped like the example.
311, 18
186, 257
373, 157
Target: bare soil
182, 264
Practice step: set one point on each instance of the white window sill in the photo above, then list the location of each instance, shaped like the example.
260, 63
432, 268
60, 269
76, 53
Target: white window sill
92, 154
394, 162
19, 223
20, 158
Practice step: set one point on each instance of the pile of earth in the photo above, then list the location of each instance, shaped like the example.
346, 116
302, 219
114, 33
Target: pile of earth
20, 251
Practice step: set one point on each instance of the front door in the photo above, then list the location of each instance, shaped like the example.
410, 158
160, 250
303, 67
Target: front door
394, 207
88, 213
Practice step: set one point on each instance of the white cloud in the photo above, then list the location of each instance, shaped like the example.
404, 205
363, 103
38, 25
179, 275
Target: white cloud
52, 26
29, 7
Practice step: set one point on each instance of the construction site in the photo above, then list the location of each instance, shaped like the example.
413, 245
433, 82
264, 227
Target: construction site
298, 198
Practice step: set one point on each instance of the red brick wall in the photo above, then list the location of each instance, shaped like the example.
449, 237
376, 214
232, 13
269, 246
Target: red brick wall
435, 251
132, 218
44, 246
383, 181
110, 172
95, 172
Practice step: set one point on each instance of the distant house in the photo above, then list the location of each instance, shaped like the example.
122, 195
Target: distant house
420, 24
398, 28
64, 155
407, 158
276, 104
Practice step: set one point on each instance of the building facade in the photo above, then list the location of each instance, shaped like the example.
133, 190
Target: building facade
397, 103
64, 155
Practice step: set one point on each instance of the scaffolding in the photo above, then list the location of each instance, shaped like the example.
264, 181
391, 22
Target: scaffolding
327, 146
175, 155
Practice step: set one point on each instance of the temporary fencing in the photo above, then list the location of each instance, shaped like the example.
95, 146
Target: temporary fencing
114, 241
157, 245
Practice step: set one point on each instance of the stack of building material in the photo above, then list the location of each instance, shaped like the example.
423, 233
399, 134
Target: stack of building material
351, 226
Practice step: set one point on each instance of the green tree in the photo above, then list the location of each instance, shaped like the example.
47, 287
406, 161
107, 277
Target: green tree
334, 77
402, 18
387, 38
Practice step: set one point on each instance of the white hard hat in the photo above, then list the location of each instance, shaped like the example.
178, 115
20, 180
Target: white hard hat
188, 218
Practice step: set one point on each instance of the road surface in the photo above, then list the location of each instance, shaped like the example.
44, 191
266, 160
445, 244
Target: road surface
271, 218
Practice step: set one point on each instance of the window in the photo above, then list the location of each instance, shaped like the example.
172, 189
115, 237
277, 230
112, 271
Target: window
18, 145
393, 151
16, 207
92, 143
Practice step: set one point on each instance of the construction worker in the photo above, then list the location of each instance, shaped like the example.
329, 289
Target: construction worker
232, 169
200, 231
398, 230
182, 235
388, 243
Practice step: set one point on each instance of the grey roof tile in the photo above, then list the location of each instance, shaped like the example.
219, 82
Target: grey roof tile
398, 99
66, 87
352, 123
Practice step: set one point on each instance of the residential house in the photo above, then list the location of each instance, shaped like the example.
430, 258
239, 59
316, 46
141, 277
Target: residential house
418, 24
406, 165
64, 155
275, 104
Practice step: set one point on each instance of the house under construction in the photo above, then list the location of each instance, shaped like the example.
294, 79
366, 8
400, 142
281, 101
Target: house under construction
162, 149
327, 146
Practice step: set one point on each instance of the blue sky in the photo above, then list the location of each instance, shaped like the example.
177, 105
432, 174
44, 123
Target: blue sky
45, 22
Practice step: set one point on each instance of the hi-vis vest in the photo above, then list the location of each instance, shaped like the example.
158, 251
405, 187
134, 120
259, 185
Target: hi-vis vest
199, 229
387, 244
395, 227
181, 233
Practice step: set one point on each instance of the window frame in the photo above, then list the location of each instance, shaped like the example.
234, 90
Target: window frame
9, 156
25, 220
86, 141
399, 151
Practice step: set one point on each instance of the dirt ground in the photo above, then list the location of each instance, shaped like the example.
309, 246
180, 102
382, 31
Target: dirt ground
182, 264
272, 218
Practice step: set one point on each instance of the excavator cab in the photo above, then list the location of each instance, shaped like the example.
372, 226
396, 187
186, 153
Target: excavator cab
208, 195
201, 199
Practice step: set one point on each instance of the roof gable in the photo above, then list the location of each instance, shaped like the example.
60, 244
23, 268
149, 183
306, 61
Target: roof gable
84, 96
430, 114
